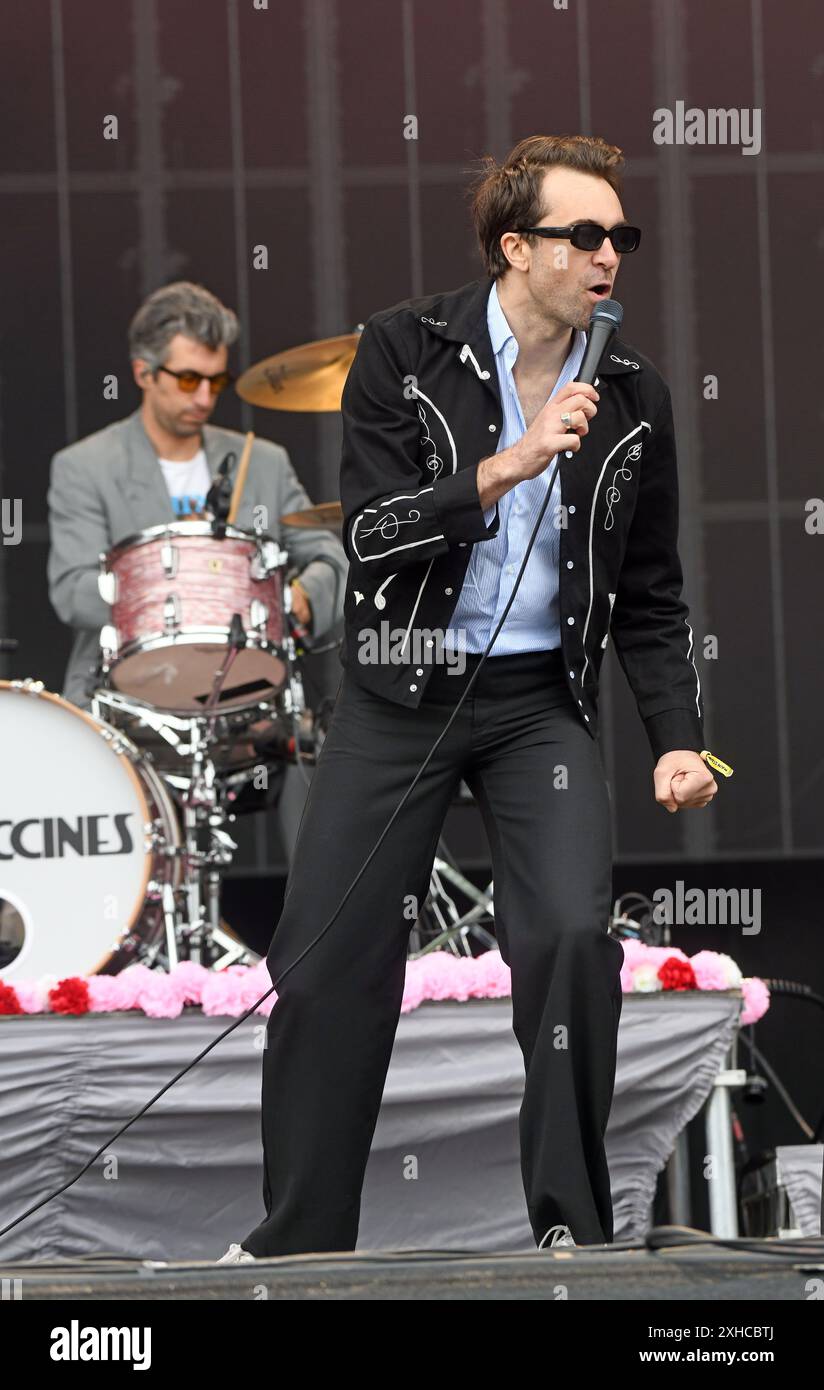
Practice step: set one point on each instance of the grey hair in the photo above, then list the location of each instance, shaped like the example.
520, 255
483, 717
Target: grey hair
179, 308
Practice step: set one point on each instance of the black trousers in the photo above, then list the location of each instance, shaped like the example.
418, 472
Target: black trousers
537, 776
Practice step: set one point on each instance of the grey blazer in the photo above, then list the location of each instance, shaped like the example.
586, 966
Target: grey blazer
109, 485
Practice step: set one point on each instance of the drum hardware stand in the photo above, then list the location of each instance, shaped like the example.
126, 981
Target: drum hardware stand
293, 703
166, 725
201, 812
191, 913
456, 929
170, 924
236, 642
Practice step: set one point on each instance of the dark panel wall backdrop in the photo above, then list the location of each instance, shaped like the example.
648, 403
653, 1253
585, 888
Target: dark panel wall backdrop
242, 124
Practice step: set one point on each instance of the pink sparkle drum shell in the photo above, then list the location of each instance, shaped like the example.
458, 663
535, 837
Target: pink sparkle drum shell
174, 590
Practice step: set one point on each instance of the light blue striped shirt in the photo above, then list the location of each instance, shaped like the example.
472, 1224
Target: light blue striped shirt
533, 621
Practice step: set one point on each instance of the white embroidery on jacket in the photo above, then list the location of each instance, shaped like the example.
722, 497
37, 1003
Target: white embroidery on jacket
390, 525
433, 461
695, 669
415, 607
422, 397
643, 425
466, 352
379, 600
609, 620
613, 493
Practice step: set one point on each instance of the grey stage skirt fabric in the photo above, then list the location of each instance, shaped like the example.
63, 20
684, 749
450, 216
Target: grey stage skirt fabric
444, 1169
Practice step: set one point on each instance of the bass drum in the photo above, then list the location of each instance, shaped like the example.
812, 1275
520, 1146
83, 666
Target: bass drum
89, 840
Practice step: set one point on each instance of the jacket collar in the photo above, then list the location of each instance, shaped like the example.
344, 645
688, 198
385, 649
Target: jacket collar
620, 360
144, 484
460, 316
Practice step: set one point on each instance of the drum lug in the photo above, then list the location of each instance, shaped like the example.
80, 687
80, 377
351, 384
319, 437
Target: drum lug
116, 741
259, 615
106, 583
267, 559
108, 644
169, 559
171, 614
153, 836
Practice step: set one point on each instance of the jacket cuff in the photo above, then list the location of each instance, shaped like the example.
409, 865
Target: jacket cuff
458, 508
673, 729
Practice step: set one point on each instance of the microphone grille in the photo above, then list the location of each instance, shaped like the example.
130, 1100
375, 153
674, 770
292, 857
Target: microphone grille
610, 309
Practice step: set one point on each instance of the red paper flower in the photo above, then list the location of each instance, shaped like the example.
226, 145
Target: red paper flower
9, 1003
677, 974
70, 996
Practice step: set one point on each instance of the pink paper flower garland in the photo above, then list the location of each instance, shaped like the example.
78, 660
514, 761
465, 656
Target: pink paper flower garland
229, 993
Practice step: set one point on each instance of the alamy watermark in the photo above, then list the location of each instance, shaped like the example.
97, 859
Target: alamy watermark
713, 907
417, 646
11, 520
715, 126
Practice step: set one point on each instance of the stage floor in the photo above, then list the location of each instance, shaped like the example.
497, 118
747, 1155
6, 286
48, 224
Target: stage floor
674, 1273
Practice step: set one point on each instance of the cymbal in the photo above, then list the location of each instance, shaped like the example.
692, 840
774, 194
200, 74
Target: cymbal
309, 377
325, 514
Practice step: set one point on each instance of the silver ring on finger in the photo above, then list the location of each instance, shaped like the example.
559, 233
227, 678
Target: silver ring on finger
566, 420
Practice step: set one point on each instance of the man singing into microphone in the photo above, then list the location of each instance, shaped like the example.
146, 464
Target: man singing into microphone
454, 411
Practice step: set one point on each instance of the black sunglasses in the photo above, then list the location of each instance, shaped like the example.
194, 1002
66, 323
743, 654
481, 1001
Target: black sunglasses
189, 381
588, 236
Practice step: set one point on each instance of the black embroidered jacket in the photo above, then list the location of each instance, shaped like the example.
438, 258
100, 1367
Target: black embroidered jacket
421, 408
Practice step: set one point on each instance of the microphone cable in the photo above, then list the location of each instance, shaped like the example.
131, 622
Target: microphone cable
588, 363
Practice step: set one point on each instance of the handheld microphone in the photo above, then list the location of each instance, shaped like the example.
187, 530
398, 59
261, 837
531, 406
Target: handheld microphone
604, 324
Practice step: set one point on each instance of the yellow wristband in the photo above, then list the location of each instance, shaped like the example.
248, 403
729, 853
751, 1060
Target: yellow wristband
716, 763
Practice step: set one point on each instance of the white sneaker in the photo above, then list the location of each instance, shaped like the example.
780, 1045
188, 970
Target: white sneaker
236, 1255
561, 1235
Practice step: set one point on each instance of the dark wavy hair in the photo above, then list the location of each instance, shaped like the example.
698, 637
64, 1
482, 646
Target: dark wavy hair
508, 195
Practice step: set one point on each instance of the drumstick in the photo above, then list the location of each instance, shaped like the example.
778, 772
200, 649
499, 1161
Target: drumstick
240, 481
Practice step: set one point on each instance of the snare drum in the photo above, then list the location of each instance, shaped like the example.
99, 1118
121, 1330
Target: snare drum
174, 592
89, 839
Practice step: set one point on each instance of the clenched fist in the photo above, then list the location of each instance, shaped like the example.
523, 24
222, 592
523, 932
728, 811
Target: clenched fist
683, 779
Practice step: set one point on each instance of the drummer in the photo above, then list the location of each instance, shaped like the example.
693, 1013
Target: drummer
157, 466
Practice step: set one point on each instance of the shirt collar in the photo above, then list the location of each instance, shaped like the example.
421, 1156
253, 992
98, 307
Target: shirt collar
500, 331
